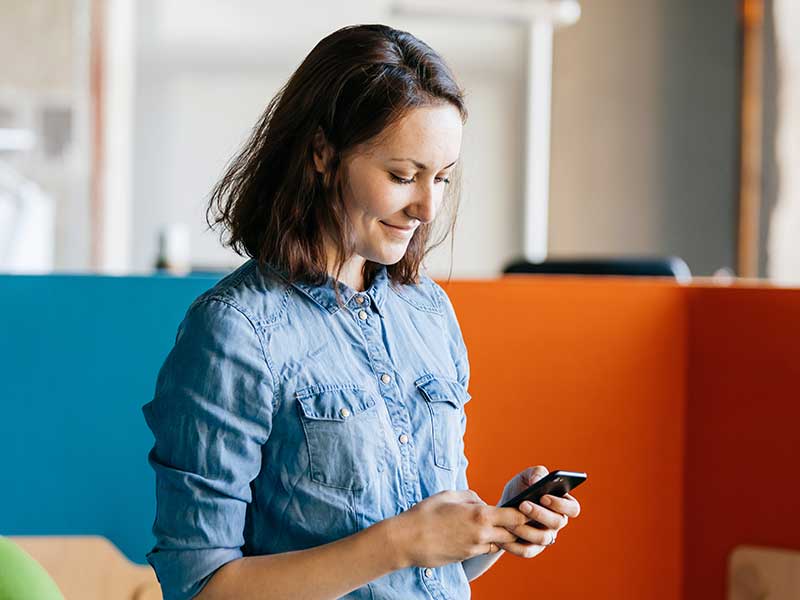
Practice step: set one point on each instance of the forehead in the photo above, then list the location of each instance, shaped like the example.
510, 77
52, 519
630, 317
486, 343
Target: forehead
428, 134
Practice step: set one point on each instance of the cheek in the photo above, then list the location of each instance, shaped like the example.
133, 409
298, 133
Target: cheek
378, 200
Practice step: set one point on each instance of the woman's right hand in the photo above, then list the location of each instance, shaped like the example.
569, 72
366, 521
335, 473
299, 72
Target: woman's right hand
453, 526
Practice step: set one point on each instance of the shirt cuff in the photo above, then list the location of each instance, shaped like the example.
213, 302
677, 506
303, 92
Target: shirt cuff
183, 573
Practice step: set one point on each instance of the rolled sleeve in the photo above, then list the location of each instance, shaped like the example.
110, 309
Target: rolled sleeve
210, 415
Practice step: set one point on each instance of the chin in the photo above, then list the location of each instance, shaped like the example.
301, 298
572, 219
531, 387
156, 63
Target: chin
388, 257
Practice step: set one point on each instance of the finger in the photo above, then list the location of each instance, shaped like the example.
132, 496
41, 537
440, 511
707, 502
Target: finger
573, 498
564, 506
508, 517
501, 535
522, 550
493, 548
539, 537
534, 474
528, 535
545, 516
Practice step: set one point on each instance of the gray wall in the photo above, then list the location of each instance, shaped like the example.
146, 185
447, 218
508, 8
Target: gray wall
645, 119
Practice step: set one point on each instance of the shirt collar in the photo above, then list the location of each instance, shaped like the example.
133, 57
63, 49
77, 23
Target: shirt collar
325, 296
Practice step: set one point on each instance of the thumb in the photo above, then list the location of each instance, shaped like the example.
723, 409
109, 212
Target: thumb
534, 474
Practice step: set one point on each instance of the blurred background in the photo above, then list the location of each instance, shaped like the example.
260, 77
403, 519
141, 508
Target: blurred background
601, 130
673, 128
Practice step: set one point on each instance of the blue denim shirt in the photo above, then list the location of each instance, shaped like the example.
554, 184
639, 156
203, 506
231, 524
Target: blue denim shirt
283, 421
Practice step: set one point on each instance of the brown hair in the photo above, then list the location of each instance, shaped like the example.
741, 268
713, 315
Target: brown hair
355, 83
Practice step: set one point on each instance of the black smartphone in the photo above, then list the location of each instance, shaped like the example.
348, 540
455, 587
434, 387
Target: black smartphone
556, 483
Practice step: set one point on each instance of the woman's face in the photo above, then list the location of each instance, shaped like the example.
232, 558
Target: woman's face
398, 183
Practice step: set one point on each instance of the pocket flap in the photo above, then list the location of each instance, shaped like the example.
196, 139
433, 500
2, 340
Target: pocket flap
442, 389
333, 403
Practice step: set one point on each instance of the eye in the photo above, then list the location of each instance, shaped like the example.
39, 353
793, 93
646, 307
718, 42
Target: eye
394, 177
400, 179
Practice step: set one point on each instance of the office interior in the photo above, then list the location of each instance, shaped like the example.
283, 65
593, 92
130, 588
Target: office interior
625, 268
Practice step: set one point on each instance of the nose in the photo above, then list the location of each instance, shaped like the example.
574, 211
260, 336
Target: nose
425, 203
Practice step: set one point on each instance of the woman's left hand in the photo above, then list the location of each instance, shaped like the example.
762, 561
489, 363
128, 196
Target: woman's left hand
553, 516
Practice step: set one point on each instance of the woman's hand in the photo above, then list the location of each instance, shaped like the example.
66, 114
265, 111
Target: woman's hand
554, 516
453, 526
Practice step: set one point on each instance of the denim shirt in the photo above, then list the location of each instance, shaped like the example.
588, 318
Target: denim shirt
283, 421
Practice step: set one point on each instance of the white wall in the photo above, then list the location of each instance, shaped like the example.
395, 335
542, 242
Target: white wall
203, 82
44, 88
642, 134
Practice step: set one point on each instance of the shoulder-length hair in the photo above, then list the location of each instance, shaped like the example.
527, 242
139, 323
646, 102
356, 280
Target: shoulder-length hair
355, 83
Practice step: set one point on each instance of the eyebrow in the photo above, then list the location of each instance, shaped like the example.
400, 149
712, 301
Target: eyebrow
419, 165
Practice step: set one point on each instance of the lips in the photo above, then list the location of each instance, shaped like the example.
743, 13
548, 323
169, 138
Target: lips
398, 227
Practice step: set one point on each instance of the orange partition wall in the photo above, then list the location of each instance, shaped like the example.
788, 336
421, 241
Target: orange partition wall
587, 375
742, 484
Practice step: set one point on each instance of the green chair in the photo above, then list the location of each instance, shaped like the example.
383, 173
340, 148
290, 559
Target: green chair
21, 577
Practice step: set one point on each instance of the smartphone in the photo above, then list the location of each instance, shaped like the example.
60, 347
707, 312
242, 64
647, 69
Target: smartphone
556, 483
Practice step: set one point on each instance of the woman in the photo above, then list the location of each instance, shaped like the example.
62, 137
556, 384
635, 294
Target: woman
309, 420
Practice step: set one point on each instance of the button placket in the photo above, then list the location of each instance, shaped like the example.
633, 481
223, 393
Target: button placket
399, 417
403, 438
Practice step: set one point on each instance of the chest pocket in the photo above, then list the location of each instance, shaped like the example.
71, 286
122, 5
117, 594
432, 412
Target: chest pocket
445, 399
346, 443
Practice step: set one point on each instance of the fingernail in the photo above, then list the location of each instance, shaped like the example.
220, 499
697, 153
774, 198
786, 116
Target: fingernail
547, 501
526, 507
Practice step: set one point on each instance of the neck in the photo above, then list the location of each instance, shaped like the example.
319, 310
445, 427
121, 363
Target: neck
352, 273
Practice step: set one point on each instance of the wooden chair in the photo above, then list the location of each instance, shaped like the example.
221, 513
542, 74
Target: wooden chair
756, 573
91, 568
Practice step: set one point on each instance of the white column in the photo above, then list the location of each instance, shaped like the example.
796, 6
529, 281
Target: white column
117, 97
783, 246
537, 138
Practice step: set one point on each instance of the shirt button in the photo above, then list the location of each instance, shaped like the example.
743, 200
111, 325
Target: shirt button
403, 438
344, 412
428, 572
360, 299
386, 378
362, 314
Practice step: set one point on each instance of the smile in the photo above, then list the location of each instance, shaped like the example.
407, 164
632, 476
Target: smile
401, 231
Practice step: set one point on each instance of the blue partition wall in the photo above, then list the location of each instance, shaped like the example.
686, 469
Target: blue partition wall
79, 356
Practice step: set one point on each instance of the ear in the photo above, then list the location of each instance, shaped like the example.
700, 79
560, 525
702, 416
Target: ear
322, 151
